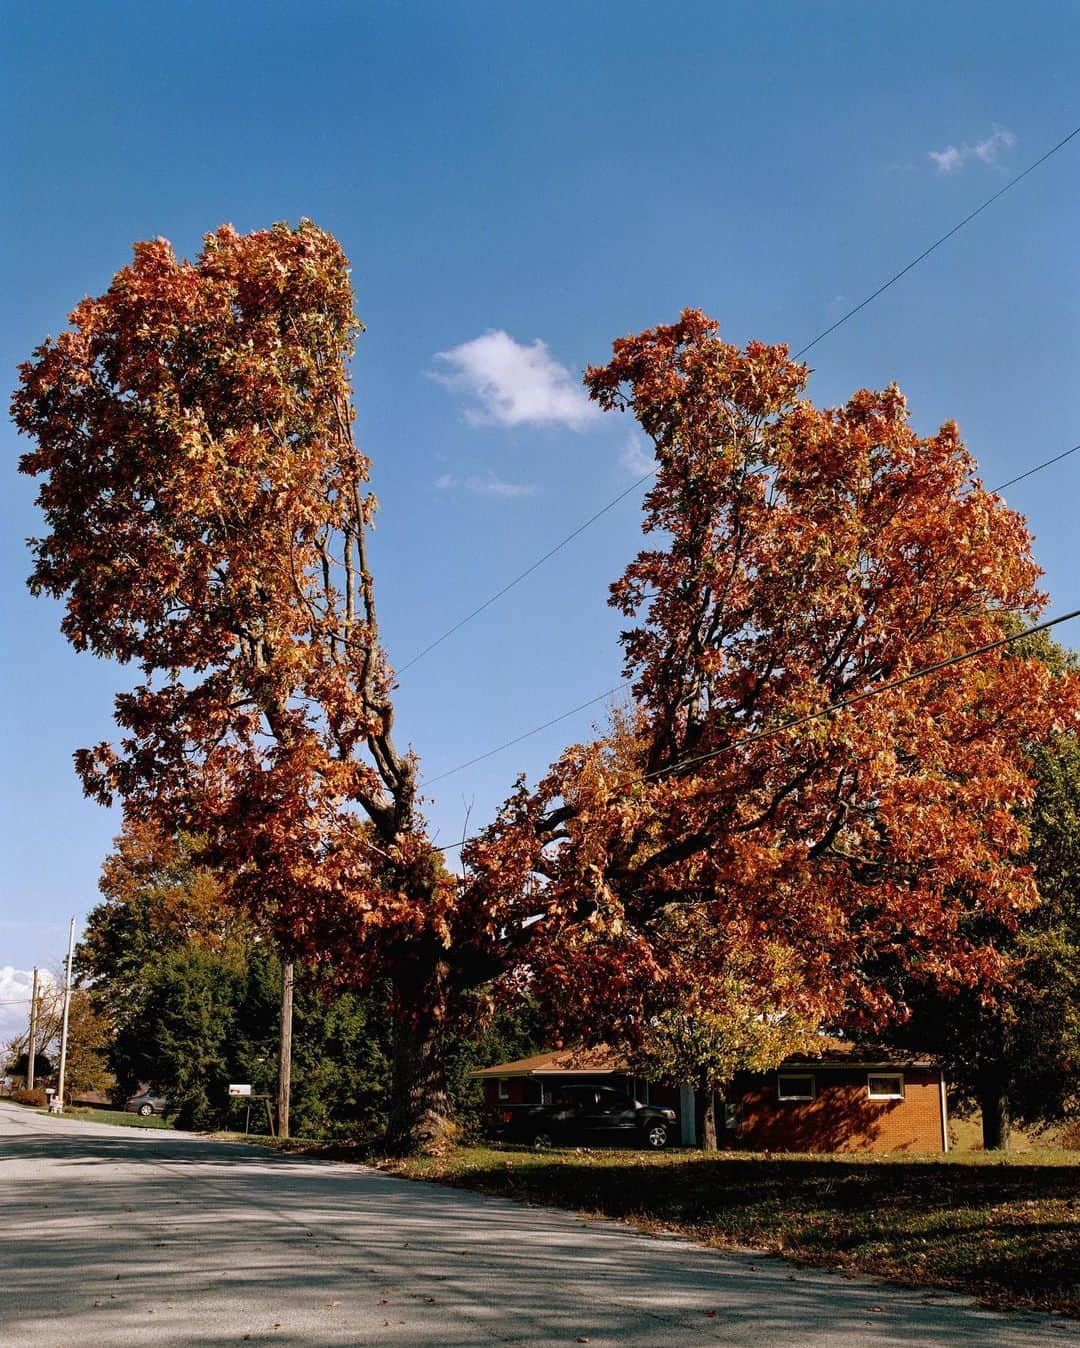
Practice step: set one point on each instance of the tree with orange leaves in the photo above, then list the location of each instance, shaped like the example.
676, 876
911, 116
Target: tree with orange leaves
208, 518
803, 558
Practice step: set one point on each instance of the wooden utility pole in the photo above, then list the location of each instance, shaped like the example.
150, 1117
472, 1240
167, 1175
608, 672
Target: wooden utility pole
285, 1050
58, 1100
31, 1043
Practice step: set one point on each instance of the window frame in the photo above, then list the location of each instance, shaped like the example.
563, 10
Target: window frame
897, 1094
781, 1095
503, 1092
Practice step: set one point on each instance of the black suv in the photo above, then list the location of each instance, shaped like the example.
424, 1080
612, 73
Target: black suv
589, 1115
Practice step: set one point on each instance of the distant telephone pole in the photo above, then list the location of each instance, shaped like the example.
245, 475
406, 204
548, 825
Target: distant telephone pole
58, 1100
31, 1043
285, 1050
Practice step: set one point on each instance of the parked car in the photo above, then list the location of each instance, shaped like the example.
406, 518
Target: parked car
146, 1103
588, 1115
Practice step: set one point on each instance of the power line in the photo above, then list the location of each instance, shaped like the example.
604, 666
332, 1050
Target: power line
846, 702
820, 337
938, 242
528, 734
430, 781
771, 731
1046, 463
527, 572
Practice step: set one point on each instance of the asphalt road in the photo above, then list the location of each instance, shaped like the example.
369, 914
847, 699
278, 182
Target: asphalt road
113, 1236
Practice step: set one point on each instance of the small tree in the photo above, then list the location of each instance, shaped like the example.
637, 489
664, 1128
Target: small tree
740, 1021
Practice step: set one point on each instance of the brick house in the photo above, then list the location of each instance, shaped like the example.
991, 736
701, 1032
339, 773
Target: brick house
842, 1097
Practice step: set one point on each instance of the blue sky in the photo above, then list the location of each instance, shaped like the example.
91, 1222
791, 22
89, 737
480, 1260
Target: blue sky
516, 186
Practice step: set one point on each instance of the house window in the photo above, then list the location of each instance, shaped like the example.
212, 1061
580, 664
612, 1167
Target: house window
885, 1086
504, 1089
794, 1086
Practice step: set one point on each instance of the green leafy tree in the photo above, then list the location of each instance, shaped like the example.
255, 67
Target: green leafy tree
187, 1019
341, 1061
192, 993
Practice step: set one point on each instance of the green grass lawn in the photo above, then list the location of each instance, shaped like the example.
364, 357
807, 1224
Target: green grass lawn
117, 1116
1005, 1231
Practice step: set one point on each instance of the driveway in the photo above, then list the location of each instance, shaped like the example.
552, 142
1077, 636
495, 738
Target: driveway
114, 1236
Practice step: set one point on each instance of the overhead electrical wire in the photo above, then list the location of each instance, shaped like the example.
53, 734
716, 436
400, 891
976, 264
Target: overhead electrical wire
450, 631
608, 692
527, 572
771, 731
621, 687
938, 242
1030, 472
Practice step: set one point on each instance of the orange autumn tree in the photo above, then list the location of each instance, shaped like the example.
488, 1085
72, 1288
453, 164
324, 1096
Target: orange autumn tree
703, 861
208, 517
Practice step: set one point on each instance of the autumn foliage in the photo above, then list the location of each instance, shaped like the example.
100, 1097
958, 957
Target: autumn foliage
207, 508
802, 557
207, 511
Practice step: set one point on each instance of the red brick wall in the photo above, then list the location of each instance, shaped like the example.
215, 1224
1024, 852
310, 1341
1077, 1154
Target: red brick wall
515, 1087
842, 1117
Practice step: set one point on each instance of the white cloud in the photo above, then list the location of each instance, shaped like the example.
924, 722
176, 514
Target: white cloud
948, 159
514, 384
636, 456
486, 484
490, 485
15, 986
985, 150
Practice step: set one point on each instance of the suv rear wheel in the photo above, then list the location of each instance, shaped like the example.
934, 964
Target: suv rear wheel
542, 1141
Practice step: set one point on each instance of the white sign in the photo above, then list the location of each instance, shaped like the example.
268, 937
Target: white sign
235, 1089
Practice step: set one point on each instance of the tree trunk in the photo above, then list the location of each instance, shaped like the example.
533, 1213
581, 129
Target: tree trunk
708, 1128
994, 1103
420, 1118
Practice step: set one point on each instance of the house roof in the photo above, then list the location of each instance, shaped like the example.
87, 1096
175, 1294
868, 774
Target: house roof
830, 1051
603, 1060
598, 1061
